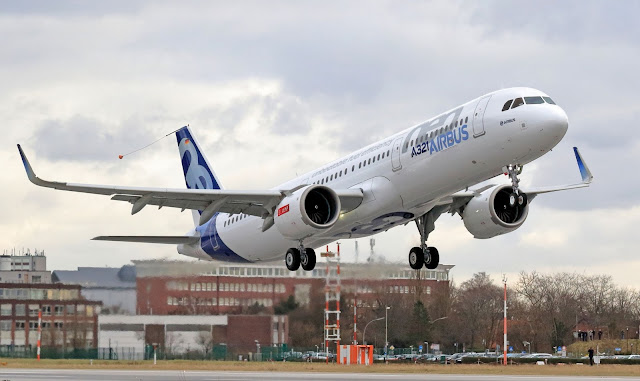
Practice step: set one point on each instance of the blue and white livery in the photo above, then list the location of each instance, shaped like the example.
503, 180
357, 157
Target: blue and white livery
414, 175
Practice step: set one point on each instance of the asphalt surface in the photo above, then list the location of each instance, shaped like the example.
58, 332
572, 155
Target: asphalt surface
172, 375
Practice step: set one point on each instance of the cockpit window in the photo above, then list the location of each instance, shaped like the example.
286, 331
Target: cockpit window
549, 100
517, 102
507, 105
533, 100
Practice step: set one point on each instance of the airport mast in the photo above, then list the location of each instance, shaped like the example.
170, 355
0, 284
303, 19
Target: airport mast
332, 300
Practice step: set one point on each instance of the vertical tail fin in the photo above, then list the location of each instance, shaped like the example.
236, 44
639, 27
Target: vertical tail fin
197, 171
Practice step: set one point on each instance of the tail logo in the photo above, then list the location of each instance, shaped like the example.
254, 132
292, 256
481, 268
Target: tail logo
196, 176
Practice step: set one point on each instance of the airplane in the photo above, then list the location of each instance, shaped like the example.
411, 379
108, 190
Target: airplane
415, 175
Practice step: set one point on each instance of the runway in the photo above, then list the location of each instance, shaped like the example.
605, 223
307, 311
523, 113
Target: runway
172, 375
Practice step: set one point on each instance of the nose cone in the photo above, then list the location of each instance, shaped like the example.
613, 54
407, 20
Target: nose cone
557, 121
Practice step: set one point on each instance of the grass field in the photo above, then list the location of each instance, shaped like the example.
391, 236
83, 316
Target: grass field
626, 346
602, 370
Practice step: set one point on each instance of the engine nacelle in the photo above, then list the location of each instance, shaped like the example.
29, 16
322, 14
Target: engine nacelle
307, 211
489, 214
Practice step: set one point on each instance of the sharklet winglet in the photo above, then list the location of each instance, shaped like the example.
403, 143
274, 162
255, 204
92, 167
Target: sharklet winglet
585, 173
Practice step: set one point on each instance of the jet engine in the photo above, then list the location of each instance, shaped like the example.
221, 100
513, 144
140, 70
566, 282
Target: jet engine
490, 213
307, 211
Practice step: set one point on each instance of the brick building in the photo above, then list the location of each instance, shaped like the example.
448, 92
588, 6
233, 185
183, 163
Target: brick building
183, 288
181, 334
68, 320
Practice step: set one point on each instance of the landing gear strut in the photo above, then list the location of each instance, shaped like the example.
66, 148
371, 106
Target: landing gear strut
516, 197
306, 257
424, 255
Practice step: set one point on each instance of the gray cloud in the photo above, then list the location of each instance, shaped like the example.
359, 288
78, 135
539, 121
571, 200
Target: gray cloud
359, 71
84, 139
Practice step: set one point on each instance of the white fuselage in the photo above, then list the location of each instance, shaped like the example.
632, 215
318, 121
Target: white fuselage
408, 173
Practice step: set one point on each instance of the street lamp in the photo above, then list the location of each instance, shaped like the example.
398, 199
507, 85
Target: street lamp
365, 329
386, 338
426, 345
257, 350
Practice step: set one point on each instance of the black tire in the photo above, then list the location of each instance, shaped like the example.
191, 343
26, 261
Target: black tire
308, 260
416, 258
433, 259
292, 259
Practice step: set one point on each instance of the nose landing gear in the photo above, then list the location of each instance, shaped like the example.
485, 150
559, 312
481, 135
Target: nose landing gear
517, 197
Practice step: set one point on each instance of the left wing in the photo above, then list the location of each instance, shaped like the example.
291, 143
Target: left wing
208, 201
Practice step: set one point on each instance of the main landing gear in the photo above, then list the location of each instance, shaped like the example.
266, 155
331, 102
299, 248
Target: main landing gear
305, 257
424, 255
516, 197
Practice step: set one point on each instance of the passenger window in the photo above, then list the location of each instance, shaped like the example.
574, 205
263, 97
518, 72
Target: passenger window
507, 105
517, 102
388, 152
330, 177
549, 100
466, 120
353, 168
456, 123
533, 100
412, 142
379, 154
369, 161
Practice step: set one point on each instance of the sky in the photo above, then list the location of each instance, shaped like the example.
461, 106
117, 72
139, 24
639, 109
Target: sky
275, 89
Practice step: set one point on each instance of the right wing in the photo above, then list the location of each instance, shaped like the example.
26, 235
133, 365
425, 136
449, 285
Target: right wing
208, 201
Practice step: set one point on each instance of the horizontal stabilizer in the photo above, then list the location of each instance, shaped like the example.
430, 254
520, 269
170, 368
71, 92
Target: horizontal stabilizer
168, 240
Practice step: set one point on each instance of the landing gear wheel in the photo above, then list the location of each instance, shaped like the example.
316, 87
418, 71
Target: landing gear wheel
308, 259
416, 258
292, 259
432, 258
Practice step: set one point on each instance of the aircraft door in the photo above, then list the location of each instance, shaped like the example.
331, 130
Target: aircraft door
478, 117
395, 154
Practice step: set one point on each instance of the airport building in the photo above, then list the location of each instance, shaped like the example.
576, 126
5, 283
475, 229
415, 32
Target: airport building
24, 268
114, 287
68, 320
185, 288
239, 334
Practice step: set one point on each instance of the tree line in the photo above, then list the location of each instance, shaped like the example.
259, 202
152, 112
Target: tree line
544, 311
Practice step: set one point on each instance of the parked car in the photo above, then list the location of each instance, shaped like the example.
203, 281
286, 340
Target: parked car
429, 357
468, 354
315, 356
538, 356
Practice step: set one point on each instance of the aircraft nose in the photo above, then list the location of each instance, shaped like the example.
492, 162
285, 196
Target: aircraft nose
558, 120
